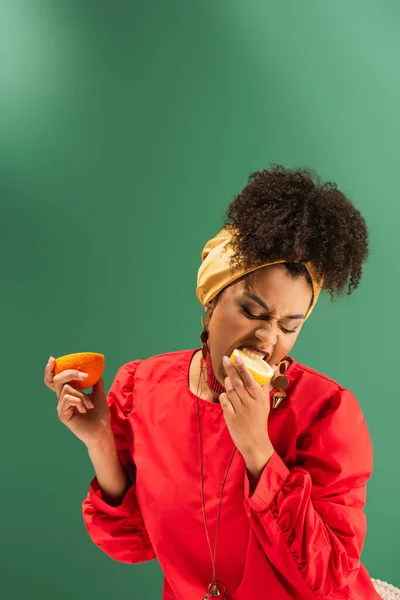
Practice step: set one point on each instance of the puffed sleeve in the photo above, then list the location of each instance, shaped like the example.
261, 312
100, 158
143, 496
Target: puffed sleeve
119, 530
310, 519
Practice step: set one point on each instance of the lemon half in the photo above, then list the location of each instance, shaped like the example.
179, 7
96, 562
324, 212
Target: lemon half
259, 368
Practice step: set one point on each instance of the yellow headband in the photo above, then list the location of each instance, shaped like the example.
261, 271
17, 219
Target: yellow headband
215, 273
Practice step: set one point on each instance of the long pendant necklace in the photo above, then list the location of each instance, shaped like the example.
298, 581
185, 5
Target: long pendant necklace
280, 383
214, 588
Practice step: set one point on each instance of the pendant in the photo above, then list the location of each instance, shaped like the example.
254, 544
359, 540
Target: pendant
215, 591
277, 398
280, 383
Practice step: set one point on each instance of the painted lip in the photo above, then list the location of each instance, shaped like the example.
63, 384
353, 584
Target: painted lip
256, 349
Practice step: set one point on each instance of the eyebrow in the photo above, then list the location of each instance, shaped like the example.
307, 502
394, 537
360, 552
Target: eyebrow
264, 305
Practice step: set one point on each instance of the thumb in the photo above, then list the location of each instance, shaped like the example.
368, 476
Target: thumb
98, 387
267, 387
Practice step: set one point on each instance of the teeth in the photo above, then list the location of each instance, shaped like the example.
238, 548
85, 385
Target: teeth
252, 353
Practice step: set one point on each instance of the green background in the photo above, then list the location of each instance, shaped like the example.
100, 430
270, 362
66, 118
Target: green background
126, 130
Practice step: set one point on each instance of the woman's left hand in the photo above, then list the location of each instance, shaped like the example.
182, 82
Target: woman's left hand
246, 406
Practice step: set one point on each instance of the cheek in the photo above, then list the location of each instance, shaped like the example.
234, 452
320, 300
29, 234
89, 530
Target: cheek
284, 345
224, 334
226, 327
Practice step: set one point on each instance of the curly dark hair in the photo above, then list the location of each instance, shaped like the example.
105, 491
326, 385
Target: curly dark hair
284, 213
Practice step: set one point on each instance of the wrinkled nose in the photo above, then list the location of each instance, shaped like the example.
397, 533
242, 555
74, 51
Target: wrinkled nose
267, 337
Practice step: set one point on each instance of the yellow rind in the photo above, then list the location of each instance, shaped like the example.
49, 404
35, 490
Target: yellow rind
260, 369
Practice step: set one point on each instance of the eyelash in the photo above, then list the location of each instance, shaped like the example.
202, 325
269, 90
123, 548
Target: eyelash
248, 314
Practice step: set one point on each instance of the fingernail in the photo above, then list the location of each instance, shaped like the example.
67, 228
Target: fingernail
83, 375
226, 360
90, 403
238, 360
51, 358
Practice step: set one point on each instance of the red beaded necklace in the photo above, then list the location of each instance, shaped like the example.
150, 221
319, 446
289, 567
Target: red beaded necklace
211, 380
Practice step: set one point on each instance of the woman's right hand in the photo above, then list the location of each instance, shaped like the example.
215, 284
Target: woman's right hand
86, 415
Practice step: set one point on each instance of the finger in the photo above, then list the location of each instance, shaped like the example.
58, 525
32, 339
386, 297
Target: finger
250, 383
226, 404
49, 373
71, 391
230, 370
98, 387
233, 394
240, 376
69, 375
68, 400
66, 377
269, 386
65, 414
87, 402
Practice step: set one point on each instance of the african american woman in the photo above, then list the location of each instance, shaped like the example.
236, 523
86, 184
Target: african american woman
240, 490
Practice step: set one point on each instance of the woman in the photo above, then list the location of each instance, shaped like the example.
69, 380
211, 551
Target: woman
189, 450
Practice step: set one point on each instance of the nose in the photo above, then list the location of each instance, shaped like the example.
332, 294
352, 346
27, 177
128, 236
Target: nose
267, 335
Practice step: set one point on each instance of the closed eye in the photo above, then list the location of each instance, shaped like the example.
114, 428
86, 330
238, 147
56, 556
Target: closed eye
248, 314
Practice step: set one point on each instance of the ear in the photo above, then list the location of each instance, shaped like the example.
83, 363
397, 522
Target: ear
209, 308
211, 304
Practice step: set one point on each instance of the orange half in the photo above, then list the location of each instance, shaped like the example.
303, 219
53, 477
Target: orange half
91, 363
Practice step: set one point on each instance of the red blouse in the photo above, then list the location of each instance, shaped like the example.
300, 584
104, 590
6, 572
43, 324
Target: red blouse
301, 532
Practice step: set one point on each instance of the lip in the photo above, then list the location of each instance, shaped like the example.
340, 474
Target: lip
256, 349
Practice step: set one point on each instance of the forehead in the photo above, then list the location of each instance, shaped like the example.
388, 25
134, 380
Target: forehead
276, 287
